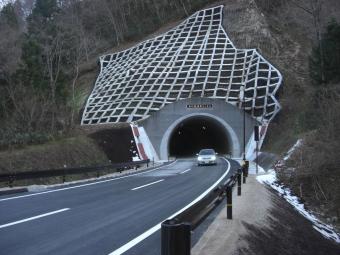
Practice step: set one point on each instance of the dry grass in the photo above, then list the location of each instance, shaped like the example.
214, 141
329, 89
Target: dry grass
70, 152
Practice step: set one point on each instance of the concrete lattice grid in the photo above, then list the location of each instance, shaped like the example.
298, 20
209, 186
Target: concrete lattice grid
195, 59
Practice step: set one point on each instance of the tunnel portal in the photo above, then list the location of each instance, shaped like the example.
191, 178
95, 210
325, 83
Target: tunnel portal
196, 133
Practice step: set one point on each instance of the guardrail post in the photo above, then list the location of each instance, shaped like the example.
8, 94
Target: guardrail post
176, 239
239, 176
229, 202
10, 181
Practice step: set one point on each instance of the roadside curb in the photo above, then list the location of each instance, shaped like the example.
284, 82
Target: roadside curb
13, 191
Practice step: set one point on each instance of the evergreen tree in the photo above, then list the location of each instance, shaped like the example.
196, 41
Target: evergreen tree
45, 8
331, 52
8, 16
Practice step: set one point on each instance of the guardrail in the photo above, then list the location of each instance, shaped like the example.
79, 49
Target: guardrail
63, 172
176, 232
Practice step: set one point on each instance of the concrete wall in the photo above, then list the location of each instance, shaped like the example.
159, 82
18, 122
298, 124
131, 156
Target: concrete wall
160, 125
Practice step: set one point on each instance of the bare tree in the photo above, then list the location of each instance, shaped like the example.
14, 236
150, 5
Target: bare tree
314, 9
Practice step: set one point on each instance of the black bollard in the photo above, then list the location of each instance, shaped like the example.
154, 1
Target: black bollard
229, 203
176, 238
246, 164
239, 176
244, 174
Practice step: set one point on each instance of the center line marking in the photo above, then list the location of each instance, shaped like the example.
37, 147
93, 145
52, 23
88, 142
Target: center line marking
185, 171
147, 184
33, 218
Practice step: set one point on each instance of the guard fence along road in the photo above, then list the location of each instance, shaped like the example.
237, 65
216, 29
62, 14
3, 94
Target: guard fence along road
10, 178
176, 232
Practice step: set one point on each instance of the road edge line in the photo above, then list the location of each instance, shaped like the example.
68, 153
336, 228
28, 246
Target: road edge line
155, 228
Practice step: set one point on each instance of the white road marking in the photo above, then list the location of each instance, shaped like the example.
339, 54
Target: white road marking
155, 228
84, 185
33, 218
151, 183
185, 171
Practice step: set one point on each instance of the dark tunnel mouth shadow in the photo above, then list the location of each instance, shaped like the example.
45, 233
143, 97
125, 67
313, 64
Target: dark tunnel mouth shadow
196, 133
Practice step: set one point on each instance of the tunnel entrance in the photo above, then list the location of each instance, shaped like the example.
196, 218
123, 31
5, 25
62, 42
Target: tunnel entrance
196, 133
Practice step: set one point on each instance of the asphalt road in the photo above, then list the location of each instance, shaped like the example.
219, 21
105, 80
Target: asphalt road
115, 216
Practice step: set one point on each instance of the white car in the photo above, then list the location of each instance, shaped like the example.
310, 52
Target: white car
207, 157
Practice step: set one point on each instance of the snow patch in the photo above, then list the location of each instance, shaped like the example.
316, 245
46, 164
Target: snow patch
271, 180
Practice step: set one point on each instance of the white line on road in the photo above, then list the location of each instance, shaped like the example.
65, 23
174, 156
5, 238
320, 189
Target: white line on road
87, 184
33, 218
185, 171
147, 184
155, 228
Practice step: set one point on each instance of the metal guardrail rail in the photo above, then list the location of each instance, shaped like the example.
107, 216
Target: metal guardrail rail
63, 172
176, 232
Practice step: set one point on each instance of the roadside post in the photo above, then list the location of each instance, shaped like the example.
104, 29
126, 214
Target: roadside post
239, 176
246, 167
64, 175
244, 172
176, 238
229, 203
11, 181
257, 138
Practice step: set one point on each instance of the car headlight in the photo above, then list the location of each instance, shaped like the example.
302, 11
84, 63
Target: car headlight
199, 158
213, 158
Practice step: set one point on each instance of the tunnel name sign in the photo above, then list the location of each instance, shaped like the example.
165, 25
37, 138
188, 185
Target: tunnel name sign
199, 106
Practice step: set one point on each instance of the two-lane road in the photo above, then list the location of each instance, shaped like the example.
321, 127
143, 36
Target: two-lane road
113, 216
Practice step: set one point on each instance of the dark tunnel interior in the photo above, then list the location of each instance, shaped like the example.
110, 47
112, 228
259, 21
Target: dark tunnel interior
196, 133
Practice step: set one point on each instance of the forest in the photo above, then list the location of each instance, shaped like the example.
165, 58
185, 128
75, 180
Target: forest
43, 45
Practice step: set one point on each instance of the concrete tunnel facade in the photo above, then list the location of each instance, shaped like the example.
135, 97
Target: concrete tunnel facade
186, 89
183, 128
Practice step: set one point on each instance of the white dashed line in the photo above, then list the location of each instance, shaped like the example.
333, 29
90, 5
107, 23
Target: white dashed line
86, 184
151, 183
185, 171
33, 218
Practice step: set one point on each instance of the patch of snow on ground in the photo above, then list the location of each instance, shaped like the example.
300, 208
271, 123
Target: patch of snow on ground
271, 180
